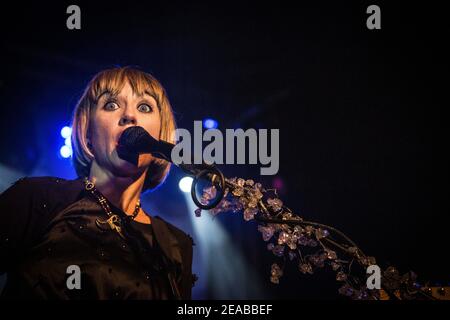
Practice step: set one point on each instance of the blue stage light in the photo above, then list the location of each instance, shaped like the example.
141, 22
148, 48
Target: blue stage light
210, 123
65, 151
66, 132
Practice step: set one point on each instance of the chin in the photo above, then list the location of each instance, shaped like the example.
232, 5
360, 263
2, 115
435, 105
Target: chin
124, 168
120, 164
127, 168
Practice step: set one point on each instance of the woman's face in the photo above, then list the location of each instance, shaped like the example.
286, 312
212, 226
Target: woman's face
112, 116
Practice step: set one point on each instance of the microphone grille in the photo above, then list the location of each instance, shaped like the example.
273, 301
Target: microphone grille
137, 139
130, 136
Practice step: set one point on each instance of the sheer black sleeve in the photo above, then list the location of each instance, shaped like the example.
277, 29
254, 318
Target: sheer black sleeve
187, 279
22, 217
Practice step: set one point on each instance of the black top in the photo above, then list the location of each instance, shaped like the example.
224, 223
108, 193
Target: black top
48, 224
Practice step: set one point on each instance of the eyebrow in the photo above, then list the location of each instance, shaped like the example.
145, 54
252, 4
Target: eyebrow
111, 94
150, 95
105, 93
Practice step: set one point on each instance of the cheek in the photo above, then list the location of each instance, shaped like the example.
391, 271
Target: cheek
153, 126
101, 129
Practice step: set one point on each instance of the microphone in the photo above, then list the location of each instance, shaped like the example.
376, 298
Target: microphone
136, 140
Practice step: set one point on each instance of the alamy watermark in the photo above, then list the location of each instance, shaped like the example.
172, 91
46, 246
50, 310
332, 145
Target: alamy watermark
235, 140
374, 280
374, 20
74, 20
74, 279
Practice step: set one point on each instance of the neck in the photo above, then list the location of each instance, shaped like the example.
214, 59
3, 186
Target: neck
123, 192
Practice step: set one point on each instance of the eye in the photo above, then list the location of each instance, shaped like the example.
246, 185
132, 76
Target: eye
111, 105
145, 108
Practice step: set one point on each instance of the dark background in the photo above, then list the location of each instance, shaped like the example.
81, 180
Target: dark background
360, 112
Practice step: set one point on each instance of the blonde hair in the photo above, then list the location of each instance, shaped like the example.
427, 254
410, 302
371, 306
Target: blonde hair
113, 80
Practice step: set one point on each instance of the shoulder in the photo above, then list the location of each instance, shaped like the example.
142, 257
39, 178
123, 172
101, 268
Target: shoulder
26, 209
42, 185
35, 183
49, 190
27, 187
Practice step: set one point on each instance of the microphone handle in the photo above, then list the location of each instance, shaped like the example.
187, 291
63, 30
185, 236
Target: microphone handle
162, 150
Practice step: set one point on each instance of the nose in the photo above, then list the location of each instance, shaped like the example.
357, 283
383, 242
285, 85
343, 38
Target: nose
127, 118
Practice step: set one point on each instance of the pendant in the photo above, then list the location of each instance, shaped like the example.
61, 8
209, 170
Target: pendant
112, 223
